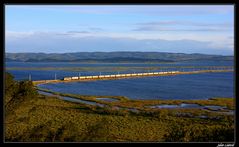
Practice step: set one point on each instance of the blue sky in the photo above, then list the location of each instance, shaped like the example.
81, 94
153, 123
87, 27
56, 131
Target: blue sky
164, 28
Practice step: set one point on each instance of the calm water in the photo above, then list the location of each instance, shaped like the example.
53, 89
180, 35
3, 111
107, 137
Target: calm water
50, 74
183, 105
72, 99
64, 64
192, 86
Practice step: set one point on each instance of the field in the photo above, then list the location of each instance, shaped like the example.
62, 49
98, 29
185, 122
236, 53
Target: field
48, 119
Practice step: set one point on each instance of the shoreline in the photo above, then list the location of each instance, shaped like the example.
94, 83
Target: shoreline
126, 102
125, 77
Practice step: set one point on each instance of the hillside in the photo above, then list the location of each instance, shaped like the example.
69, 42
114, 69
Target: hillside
128, 57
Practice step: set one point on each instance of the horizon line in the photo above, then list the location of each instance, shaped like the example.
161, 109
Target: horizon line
114, 52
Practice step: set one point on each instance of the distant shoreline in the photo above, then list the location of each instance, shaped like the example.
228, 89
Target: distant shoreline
114, 57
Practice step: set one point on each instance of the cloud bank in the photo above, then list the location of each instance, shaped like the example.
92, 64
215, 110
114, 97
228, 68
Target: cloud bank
78, 41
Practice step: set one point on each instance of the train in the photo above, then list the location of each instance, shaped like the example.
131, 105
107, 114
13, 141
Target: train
117, 75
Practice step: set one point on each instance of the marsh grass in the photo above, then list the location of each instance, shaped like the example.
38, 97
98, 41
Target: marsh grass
49, 119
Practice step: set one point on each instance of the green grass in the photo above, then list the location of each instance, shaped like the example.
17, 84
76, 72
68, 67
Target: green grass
49, 119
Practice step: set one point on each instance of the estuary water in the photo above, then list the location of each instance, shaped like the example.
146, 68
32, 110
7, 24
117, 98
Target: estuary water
48, 74
190, 86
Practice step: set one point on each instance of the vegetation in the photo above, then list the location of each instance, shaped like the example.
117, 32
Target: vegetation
40, 118
17, 92
113, 57
143, 104
10, 86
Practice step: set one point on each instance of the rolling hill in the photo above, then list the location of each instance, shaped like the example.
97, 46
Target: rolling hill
111, 57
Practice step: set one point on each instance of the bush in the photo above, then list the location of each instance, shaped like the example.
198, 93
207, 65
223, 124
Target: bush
17, 92
26, 90
199, 133
9, 87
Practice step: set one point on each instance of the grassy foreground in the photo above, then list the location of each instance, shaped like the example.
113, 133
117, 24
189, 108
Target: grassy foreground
48, 119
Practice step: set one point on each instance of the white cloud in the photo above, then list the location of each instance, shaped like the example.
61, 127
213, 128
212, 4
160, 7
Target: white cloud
216, 41
12, 34
183, 26
52, 41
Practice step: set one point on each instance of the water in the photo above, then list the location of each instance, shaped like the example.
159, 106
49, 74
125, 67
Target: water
45, 93
191, 86
41, 74
72, 99
183, 105
50, 74
80, 101
69, 64
75, 100
214, 108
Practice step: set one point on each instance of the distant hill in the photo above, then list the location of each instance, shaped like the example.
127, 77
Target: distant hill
112, 57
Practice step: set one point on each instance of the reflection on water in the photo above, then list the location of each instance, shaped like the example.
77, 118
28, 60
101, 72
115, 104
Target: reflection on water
183, 105
215, 108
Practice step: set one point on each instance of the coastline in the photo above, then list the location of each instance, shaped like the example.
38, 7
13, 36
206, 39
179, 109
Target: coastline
114, 78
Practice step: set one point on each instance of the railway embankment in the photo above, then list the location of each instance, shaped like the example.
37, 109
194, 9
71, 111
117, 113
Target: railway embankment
121, 76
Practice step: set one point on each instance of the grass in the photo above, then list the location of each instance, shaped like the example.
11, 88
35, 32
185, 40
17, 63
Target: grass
56, 120
48, 119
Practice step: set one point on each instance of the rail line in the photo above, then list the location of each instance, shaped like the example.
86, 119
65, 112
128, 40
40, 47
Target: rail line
120, 76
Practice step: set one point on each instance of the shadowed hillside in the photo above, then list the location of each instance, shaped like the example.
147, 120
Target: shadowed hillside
128, 57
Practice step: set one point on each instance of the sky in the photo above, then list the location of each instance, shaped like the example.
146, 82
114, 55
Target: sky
207, 29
